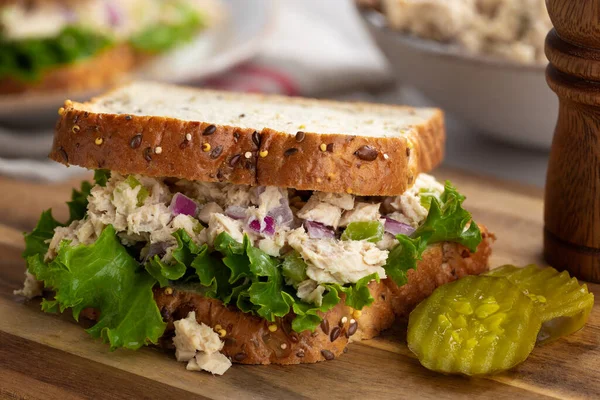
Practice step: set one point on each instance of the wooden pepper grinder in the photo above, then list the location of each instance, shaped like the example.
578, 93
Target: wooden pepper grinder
572, 206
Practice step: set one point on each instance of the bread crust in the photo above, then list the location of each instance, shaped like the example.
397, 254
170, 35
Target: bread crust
249, 340
103, 70
322, 162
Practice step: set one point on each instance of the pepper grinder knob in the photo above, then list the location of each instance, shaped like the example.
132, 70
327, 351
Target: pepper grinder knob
572, 198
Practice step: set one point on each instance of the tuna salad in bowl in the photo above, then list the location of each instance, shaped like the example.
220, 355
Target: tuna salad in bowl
483, 61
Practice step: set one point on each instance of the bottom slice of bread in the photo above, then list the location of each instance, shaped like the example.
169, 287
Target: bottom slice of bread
252, 340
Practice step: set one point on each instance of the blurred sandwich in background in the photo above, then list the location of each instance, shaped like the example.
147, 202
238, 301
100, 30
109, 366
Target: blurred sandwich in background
80, 45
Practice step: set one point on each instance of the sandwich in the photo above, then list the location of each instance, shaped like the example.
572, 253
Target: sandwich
249, 228
82, 45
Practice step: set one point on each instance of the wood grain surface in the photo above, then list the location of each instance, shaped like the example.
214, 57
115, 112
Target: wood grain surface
44, 356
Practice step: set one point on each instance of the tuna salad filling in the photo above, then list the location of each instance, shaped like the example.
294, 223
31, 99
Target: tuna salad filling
268, 251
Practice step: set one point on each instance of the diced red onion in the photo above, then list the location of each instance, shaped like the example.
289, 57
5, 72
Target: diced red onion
254, 225
317, 230
181, 204
267, 227
283, 214
396, 227
236, 212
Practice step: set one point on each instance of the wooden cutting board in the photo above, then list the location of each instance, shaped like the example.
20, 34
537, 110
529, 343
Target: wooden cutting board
51, 357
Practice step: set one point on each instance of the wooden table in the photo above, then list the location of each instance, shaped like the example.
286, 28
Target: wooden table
51, 357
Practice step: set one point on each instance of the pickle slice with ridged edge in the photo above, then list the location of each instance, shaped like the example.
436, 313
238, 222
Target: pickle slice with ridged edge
563, 304
476, 325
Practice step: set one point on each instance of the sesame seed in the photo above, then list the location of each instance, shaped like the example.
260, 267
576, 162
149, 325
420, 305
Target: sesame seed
283, 346
302, 126
247, 154
356, 314
352, 321
222, 332
344, 320
264, 153
75, 128
68, 103
273, 328
158, 150
218, 327
323, 147
349, 191
61, 111
168, 291
385, 156
206, 147
188, 136
98, 141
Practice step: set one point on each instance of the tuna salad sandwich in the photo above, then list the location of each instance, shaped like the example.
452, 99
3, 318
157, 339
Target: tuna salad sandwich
87, 44
248, 228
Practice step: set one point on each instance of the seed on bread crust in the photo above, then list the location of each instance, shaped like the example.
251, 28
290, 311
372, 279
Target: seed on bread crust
290, 151
327, 355
256, 139
352, 328
135, 141
335, 333
216, 152
234, 160
300, 136
325, 326
148, 154
366, 153
63, 154
209, 130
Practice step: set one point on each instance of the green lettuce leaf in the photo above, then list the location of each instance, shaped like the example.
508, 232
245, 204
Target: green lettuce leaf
27, 59
165, 36
79, 202
234, 256
183, 256
255, 283
101, 177
357, 294
105, 277
35, 242
307, 315
445, 222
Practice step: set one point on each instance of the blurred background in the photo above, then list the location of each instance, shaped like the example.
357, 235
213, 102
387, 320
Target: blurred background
481, 61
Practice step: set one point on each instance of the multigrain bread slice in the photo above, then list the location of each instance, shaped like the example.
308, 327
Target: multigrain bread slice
105, 69
250, 341
160, 130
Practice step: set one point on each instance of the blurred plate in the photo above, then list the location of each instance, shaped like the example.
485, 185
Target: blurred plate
499, 98
237, 37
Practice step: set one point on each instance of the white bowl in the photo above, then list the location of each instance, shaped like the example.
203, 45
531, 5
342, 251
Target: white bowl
506, 100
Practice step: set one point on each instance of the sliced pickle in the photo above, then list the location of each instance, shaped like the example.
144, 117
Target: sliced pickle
474, 326
563, 304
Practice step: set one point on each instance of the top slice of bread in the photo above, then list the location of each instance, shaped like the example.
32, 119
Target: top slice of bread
162, 130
